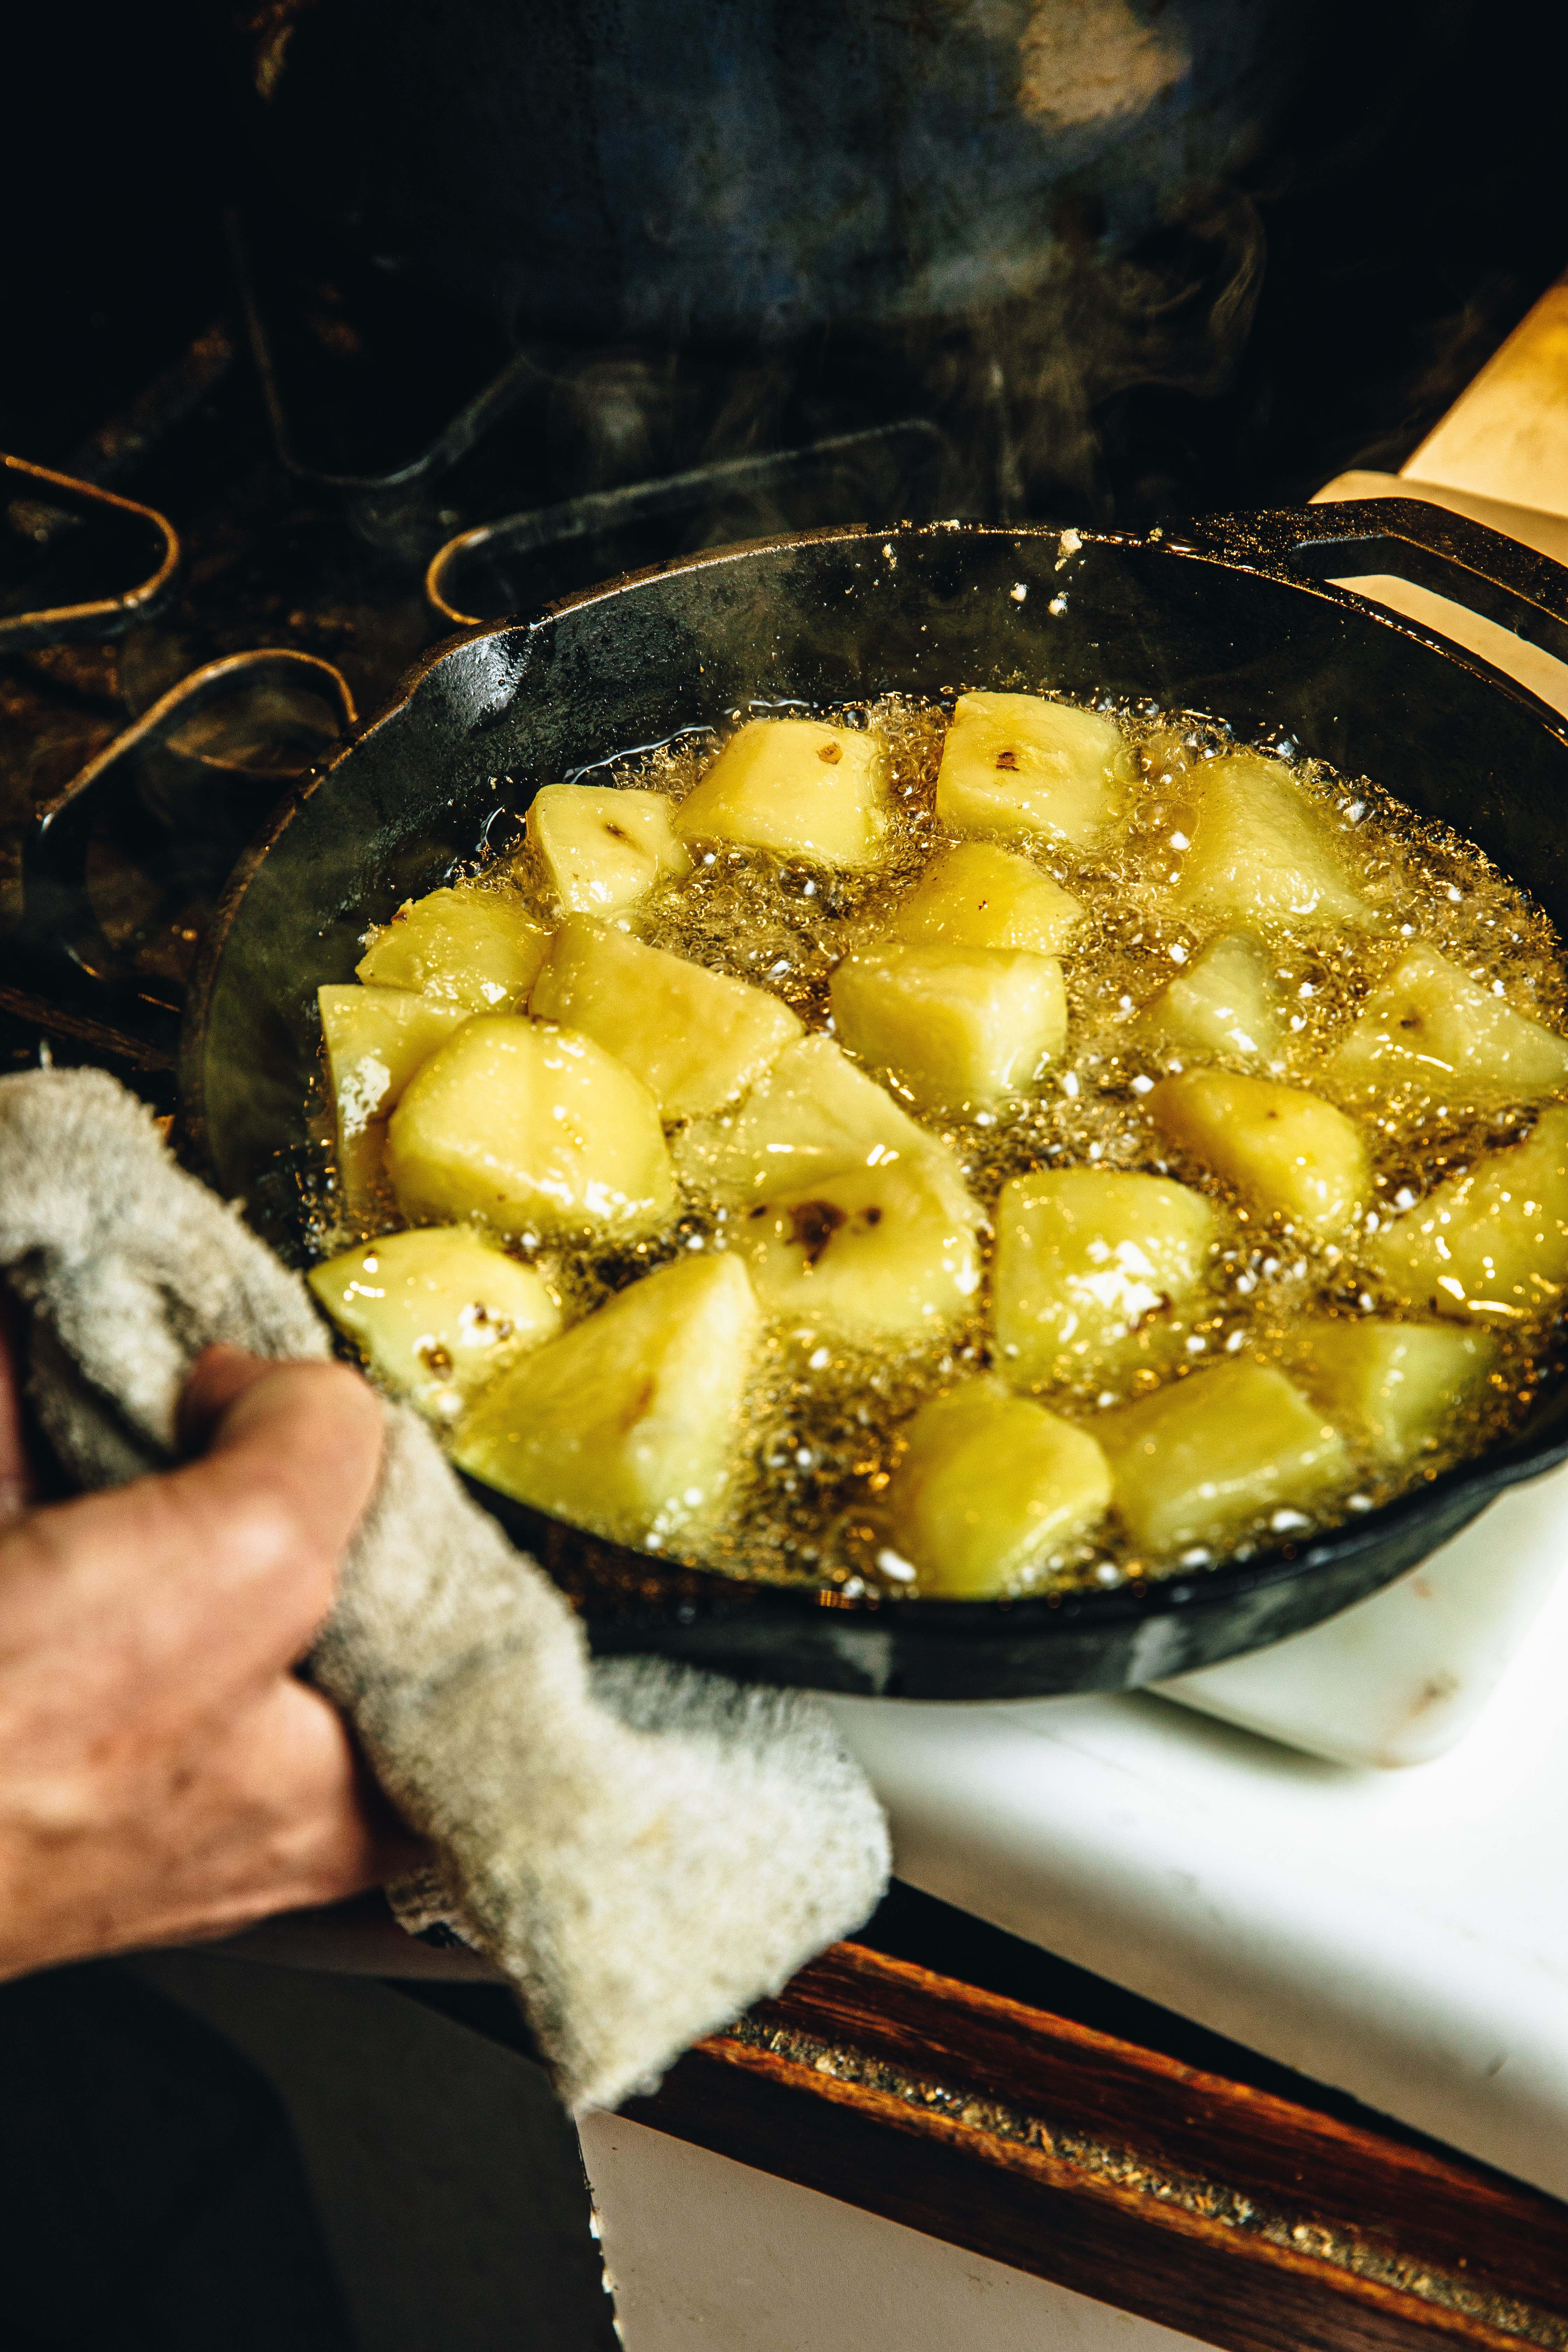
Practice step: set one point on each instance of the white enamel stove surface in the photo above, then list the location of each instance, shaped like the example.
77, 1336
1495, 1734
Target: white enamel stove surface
1402, 1936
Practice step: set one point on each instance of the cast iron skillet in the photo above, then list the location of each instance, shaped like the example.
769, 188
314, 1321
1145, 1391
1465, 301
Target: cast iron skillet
1232, 615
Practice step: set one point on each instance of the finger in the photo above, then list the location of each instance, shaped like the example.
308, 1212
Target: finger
214, 1574
16, 1471
290, 1464
297, 1447
219, 1375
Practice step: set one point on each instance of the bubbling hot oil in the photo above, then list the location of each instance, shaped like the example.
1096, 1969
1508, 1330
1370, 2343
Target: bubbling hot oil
822, 1429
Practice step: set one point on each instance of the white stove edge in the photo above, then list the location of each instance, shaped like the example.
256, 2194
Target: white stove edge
1397, 1679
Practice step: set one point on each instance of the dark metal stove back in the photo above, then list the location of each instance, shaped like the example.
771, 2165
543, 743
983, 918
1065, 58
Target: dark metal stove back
1214, 623
715, 169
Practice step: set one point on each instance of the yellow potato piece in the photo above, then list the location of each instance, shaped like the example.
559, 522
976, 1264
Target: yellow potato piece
1097, 1272
877, 1252
1015, 763
1228, 1004
603, 849
1262, 852
812, 1115
1281, 1148
628, 1423
534, 1128
978, 896
1491, 1245
1430, 1027
695, 1038
1396, 1389
956, 1025
375, 1040
437, 1312
468, 947
990, 1487
796, 786
1220, 1454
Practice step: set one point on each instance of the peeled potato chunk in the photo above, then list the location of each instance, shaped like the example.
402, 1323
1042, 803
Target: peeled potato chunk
603, 849
1206, 1458
375, 1040
471, 948
695, 1038
534, 1128
812, 1115
1096, 1272
1262, 853
1492, 1243
1016, 764
437, 1312
956, 1025
991, 1486
875, 1253
627, 1422
1280, 1148
1228, 1004
1393, 1389
1431, 1026
978, 896
796, 786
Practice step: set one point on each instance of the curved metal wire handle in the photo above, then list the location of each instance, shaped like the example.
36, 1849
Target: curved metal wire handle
634, 502
57, 911
104, 616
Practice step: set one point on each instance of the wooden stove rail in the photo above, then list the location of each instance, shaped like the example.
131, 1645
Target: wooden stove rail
1249, 2221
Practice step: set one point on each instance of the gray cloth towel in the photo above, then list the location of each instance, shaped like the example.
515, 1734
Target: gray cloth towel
641, 1848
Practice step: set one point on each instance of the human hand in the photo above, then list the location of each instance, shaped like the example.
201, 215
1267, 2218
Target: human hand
163, 1775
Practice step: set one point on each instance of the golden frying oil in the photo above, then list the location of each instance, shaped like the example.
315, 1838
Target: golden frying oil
822, 1427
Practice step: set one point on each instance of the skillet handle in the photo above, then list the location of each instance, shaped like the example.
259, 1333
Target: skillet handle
58, 910
1448, 553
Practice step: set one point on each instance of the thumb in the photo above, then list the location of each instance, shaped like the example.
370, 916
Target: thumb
201, 1580
288, 1458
